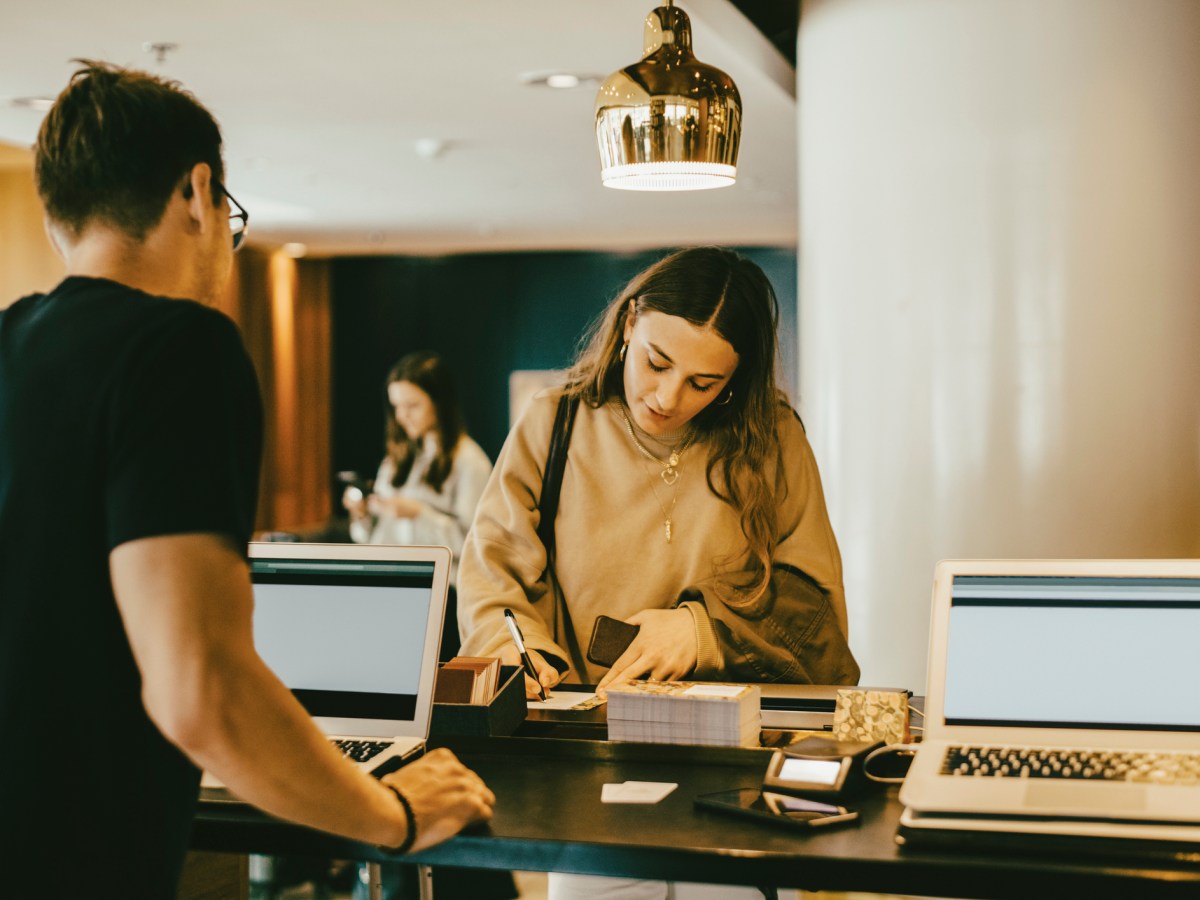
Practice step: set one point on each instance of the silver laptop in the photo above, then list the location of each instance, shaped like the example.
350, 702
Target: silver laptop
354, 631
1063, 698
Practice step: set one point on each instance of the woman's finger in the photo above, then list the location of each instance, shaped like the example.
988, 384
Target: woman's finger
630, 665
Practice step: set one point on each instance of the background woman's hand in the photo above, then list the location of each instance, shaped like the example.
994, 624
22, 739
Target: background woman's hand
664, 649
444, 794
355, 502
396, 505
547, 674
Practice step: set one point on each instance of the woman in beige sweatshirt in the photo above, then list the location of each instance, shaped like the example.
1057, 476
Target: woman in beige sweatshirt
690, 505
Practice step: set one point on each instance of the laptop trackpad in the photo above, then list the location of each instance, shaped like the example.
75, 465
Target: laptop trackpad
1085, 796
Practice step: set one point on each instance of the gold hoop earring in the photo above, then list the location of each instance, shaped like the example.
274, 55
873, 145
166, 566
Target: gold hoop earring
728, 397
624, 350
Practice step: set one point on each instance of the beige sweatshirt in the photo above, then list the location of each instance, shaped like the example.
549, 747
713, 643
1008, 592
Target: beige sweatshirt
612, 556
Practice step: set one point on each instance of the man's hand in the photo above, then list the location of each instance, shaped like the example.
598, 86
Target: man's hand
664, 649
547, 674
444, 794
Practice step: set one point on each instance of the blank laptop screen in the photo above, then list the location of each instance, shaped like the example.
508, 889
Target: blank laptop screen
1069, 652
346, 636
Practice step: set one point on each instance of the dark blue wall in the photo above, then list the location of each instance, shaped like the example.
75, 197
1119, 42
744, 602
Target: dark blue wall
488, 315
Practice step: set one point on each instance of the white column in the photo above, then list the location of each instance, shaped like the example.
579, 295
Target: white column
999, 289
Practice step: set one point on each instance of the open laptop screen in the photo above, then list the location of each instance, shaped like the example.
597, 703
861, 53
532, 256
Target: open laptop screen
1073, 652
346, 636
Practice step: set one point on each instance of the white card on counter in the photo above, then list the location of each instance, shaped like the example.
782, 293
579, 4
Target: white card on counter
566, 700
636, 792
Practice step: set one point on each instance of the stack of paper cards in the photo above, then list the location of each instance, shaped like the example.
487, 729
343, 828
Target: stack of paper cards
684, 712
467, 679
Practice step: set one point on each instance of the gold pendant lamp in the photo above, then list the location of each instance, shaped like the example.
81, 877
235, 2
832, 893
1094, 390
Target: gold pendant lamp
668, 122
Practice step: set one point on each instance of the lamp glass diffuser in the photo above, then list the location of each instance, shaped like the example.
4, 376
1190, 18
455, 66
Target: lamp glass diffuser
668, 122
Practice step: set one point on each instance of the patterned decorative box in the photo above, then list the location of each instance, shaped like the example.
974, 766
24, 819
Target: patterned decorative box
863, 715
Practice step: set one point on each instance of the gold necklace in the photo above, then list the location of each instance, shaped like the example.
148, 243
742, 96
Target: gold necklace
667, 523
670, 473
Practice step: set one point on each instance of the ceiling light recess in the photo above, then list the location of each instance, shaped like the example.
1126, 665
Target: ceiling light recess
37, 104
668, 122
560, 80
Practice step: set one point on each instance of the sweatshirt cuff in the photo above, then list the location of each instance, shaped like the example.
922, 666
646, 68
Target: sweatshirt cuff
710, 664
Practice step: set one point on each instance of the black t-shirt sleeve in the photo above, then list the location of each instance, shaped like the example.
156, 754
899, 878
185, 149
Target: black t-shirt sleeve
184, 432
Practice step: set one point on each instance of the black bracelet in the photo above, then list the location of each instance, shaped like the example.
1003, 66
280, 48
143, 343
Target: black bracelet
409, 818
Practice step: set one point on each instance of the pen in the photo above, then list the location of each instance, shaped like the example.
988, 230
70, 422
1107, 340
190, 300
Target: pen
515, 630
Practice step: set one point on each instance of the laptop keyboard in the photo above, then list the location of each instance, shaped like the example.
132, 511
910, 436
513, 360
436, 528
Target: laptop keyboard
361, 751
1094, 765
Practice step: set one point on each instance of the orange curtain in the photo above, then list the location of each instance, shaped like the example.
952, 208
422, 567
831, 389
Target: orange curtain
282, 306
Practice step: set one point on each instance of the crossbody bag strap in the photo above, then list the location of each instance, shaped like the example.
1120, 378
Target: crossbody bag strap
556, 464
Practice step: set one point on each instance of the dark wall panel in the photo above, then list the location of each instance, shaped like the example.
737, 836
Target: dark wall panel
488, 314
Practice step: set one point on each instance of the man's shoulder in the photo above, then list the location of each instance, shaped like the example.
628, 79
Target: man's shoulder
174, 322
102, 326
23, 302
127, 310
171, 310
196, 318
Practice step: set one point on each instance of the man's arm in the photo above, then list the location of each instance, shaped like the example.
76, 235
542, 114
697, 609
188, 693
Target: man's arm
186, 604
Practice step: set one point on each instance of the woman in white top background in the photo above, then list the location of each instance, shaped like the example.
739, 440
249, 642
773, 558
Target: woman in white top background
430, 481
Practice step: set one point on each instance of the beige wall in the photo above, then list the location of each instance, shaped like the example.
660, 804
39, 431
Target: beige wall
999, 290
27, 261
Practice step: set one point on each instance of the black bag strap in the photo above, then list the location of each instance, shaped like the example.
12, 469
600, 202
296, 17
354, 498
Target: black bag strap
556, 464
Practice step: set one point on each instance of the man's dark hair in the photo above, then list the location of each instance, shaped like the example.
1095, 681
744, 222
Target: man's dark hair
117, 144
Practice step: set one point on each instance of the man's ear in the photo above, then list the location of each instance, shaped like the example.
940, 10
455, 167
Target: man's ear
197, 192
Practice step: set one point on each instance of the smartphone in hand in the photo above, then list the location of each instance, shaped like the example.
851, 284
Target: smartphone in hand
610, 638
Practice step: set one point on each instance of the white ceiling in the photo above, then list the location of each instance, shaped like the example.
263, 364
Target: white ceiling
322, 105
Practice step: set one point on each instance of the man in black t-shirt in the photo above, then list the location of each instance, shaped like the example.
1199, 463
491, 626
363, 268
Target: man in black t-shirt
130, 435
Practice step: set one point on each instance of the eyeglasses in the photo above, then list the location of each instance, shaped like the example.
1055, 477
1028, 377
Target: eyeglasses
239, 222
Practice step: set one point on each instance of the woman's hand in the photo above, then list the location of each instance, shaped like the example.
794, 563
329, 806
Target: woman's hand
396, 505
355, 502
664, 649
547, 674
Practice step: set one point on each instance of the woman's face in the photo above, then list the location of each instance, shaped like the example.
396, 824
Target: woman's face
413, 407
673, 370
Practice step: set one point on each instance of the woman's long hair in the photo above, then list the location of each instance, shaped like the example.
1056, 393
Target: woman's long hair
428, 371
715, 288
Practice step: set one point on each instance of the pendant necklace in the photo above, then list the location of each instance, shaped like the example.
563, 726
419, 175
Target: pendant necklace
669, 473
